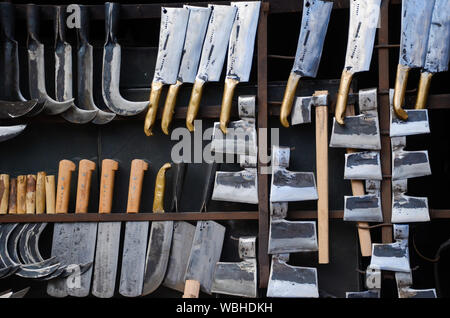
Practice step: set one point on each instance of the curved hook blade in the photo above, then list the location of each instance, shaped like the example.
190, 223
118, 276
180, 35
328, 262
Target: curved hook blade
8, 132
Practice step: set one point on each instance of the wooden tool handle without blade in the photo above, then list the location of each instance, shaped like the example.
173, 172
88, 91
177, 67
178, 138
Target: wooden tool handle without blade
227, 103
50, 194
40, 192
322, 179
160, 185
191, 289
109, 167
66, 167
138, 167
85, 169
288, 98
31, 194
194, 104
21, 194
12, 204
169, 106
152, 107
4, 193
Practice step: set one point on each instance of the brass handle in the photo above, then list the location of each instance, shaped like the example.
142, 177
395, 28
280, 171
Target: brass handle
225, 111
424, 87
341, 103
194, 103
401, 80
160, 184
153, 107
288, 98
169, 106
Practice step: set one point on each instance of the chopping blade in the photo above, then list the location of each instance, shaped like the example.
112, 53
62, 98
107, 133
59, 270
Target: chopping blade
241, 138
362, 166
404, 282
241, 186
408, 164
236, 279
363, 208
290, 186
363, 294
406, 209
291, 281
292, 237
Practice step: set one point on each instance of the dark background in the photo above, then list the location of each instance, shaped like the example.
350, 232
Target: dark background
44, 143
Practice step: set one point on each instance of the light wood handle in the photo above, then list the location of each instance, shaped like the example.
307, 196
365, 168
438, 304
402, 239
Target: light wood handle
194, 103
422, 92
21, 194
322, 180
152, 107
66, 167
341, 102
50, 194
169, 106
109, 168
191, 289
31, 194
85, 168
138, 167
4, 193
401, 80
288, 98
160, 185
365, 240
40, 192
12, 204
227, 103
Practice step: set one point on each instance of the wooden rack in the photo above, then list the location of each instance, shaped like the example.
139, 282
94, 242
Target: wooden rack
266, 108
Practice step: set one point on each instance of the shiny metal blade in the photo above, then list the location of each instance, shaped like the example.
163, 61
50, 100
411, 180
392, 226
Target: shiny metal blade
416, 21
406, 209
390, 257
195, 35
315, 18
292, 237
216, 42
359, 132
158, 252
242, 40
8, 132
171, 40
364, 16
364, 208
438, 51
237, 279
241, 138
363, 294
241, 186
362, 166
290, 186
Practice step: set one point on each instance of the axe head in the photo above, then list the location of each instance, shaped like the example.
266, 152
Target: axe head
363, 294
292, 186
405, 208
237, 279
241, 138
390, 257
408, 164
364, 165
364, 208
238, 186
404, 281
291, 281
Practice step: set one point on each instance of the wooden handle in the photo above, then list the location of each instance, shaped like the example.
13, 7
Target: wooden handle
194, 103
85, 168
227, 102
66, 167
138, 167
50, 194
169, 106
31, 194
288, 98
401, 80
341, 102
12, 204
322, 180
153, 107
422, 92
21, 194
4, 193
191, 289
109, 168
160, 185
40, 192
365, 240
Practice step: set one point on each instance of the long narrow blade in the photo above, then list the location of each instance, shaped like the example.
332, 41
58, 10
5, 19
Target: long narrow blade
133, 259
242, 40
364, 16
216, 42
83, 252
171, 40
438, 51
315, 18
416, 21
106, 257
195, 35
158, 252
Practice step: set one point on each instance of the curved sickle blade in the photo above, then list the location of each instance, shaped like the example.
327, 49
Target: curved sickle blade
111, 68
158, 252
33, 242
8, 271
14, 244
16, 109
85, 72
8, 132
